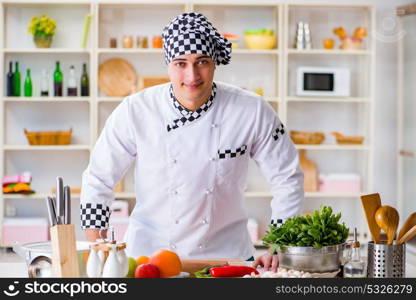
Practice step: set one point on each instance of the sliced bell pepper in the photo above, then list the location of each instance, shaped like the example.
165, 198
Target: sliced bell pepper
232, 271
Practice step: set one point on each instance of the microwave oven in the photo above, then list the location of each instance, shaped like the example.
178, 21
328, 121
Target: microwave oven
322, 81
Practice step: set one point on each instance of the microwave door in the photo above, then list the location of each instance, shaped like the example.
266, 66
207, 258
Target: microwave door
321, 82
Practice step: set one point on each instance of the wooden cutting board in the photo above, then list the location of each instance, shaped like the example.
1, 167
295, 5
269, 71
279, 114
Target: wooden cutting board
117, 78
193, 265
310, 172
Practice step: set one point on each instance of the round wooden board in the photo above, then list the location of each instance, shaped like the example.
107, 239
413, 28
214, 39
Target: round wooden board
117, 78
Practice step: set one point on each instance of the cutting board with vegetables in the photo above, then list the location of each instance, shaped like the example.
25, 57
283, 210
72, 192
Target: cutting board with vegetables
193, 265
117, 78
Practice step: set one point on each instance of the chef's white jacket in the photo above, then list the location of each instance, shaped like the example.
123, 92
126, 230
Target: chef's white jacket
189, 182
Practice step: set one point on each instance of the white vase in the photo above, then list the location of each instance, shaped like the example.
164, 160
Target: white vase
94, 265
112, 265
124, 264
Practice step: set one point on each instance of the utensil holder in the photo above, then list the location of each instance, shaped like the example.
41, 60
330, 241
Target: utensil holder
64, 252
386, 261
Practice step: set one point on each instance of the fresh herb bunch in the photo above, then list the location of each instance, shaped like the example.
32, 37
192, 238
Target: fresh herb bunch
317, 230
42, 25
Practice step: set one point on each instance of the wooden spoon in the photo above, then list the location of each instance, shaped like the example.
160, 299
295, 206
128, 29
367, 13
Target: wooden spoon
370, 204
410, 222
408, 235
387, 218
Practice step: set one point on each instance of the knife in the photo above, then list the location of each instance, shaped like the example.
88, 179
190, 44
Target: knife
51, 211
53, 201
67, 206
60, 205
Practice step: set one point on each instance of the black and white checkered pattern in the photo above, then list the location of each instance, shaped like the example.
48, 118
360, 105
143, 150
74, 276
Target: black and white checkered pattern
276, 222
192, 33
94, 215
229, 153
278, 132
189, 116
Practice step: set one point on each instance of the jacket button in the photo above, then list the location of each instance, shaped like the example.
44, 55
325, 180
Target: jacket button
173, 246
207, 191
212, 159
174, 161
213, 125
204, 221
200, 246
175, 192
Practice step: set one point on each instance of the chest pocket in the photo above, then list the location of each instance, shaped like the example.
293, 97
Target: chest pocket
232, 162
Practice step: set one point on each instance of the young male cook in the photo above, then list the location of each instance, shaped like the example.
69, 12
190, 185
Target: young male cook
191, 141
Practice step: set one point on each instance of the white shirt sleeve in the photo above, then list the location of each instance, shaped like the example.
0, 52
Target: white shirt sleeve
278, 160
113, 154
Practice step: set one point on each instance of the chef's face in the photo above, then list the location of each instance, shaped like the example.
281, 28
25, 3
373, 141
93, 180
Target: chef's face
191, 76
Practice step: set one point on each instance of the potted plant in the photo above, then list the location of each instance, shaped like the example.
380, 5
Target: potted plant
43, 29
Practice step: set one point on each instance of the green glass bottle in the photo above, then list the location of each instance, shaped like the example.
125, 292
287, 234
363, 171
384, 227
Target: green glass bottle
28, 84
85, 83
16, 80
58, 80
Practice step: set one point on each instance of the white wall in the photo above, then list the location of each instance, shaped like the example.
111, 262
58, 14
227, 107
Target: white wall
385, 162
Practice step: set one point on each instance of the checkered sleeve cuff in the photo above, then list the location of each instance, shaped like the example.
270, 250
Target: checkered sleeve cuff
276, 222
94, 215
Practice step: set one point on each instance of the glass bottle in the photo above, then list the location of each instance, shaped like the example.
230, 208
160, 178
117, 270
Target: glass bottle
356, 267
44, 84
58, 80
85, 83
28, 84
16, 80
10, 80
157, 41
127, 41
72, 83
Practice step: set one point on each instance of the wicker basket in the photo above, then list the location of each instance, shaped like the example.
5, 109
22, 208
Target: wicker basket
307, 138
49, 137
348, 140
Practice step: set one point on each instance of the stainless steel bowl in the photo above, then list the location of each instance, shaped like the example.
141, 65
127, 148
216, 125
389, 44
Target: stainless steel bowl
309, 259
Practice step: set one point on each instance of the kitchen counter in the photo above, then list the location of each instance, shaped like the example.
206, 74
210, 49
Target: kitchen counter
13, 266
19, 270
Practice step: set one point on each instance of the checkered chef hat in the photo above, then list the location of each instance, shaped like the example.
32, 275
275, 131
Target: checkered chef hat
193, 33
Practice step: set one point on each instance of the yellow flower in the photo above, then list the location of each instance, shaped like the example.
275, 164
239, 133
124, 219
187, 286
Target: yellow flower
42, 24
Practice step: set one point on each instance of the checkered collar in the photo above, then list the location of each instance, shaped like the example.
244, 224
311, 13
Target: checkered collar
189, 116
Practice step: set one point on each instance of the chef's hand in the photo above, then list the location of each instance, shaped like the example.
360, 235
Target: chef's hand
93, 234
268, 261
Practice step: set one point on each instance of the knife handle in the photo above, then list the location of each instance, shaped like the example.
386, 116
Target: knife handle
67, 205
60, 206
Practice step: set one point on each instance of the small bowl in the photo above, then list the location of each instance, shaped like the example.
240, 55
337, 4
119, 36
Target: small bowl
260, 41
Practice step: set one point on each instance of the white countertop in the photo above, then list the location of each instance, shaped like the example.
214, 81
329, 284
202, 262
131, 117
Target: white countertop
19, 270
13, 266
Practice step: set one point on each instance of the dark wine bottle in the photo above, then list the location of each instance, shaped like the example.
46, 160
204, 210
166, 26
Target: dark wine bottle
85, 82
10, 80
16, 80
58, 79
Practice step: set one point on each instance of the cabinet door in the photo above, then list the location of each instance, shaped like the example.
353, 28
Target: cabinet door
407, 137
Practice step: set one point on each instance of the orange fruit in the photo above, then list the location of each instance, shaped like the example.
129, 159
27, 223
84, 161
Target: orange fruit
142, 260
167, 261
